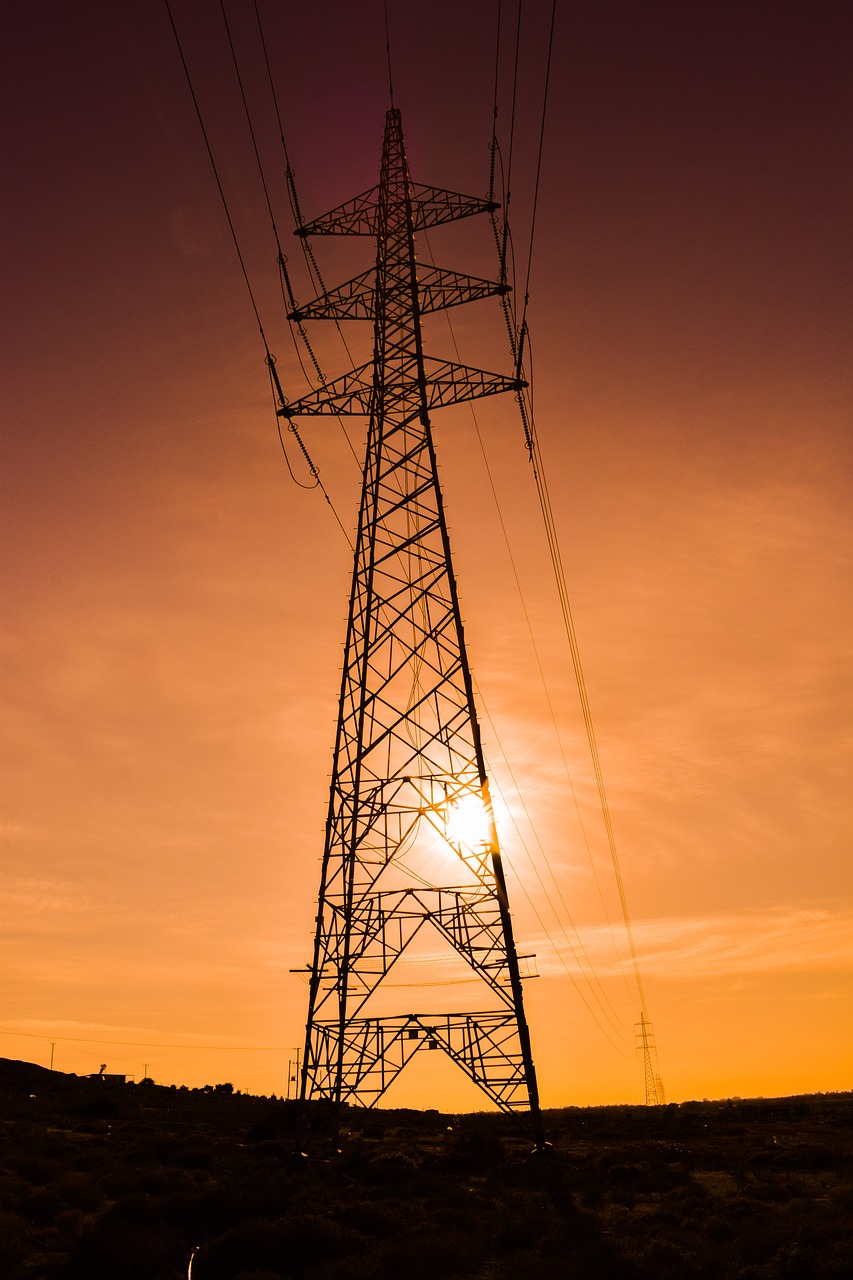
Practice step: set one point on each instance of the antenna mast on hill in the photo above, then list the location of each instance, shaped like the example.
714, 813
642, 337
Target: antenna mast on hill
411, 842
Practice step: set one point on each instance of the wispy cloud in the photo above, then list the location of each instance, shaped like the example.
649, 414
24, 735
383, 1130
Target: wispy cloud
103, 1033
776, 939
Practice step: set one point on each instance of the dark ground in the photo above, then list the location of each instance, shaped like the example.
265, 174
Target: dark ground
124, 1181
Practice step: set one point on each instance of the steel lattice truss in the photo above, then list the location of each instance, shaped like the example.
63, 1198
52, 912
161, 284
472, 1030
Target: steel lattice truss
408, 756
645, 1040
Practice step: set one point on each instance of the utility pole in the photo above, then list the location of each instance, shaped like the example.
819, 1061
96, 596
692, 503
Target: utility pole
293, 1075
52, 1047
411, 841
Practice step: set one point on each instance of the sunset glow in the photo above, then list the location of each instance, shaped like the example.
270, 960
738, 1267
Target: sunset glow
174, 605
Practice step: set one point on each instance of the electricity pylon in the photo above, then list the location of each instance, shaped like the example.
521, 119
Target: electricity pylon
409, 784
645, 1039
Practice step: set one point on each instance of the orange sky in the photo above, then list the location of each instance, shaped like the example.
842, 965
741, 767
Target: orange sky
173, 606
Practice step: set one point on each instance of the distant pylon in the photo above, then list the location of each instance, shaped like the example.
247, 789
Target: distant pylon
645, 1038
409, 783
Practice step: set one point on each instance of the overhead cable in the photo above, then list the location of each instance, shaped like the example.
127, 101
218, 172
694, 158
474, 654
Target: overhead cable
270, 359
531, 441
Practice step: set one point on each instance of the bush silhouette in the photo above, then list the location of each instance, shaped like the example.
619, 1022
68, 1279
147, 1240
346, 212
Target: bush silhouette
123, 1181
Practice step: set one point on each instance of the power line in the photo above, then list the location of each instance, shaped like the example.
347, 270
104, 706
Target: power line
558, 736
571, 635
314, 273
531, 440
216, 174
549, 900
270, 359
148, 1044
249, 123
539, 156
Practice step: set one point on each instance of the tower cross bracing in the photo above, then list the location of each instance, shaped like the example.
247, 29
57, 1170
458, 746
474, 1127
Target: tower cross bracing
408, 759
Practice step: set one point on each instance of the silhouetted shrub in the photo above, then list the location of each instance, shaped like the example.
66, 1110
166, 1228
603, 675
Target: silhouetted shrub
100, 1107
132, 1250
80, 1192
289, 1247
710, 1191
397, 1168
13, 1242
473, 1149
42, 1205
423, 1254
192, 1156
34, 1169
522, 1218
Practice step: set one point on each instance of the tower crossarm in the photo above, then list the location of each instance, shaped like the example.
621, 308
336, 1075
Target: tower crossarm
361, 215
451, 383
367, 1054
384, 923
447, 383
351, 393
438, 289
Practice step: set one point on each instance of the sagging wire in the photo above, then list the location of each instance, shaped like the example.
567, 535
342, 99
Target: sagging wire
534, 645
558, 953
534, 452
269, 357
312, 266
279, 401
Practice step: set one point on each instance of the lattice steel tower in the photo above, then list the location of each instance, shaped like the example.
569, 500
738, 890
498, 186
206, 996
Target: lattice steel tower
645, 1040
409, 784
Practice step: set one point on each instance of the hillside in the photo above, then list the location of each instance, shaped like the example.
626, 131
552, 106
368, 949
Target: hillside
102, 1180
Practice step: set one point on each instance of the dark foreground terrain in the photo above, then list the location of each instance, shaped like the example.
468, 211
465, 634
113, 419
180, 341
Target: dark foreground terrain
125, 1181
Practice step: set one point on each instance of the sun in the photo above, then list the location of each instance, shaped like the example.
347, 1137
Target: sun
467, 822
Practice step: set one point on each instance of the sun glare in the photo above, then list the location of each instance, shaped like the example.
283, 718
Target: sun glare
468, 822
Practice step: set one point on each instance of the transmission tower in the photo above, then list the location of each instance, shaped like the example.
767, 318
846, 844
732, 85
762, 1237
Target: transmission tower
645, 1038
409, 803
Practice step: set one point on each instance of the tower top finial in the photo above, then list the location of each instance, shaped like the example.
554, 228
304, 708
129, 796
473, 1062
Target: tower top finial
388, 55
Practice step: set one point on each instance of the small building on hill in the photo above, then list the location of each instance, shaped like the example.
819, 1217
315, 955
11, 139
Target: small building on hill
107, 1077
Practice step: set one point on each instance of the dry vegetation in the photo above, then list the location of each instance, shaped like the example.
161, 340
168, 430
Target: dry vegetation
103, 1180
